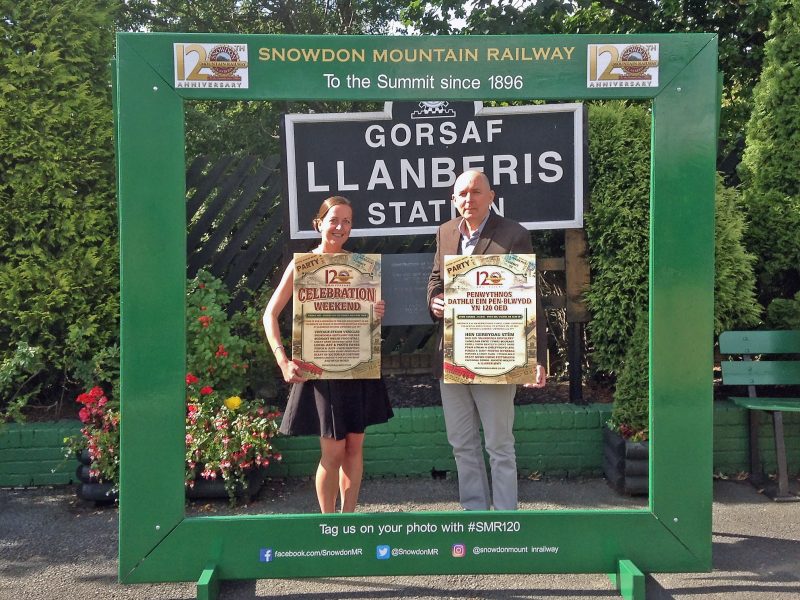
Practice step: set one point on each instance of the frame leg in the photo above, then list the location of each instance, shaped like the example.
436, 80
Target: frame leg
628, 580
208, 584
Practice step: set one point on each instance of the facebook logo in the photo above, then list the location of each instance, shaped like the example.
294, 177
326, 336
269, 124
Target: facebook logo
383, 552
266, 555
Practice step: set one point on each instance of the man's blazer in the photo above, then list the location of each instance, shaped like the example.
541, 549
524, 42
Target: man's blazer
499, 236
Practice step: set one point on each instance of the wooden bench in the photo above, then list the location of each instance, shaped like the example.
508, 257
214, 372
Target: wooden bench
757, 368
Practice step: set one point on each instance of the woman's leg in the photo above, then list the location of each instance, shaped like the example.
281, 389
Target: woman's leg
327, 479
352, 470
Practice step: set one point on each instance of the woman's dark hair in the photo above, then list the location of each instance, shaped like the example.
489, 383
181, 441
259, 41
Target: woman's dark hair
326, 206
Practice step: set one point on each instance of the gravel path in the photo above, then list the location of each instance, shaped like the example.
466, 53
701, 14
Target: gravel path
53, 547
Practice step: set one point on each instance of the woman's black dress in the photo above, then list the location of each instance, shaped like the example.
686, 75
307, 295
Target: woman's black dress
332, 408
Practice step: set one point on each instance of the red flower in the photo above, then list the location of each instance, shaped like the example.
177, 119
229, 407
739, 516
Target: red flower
205, 391
221, 351
191, 379
205, 320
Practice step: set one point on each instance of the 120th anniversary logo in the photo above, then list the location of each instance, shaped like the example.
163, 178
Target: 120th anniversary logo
622, 65
211, 66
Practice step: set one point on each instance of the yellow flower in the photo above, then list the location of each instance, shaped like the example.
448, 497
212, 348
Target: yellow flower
233, 402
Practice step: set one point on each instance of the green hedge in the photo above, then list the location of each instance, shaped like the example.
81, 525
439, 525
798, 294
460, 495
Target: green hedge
770, 167
617, 228
58, 234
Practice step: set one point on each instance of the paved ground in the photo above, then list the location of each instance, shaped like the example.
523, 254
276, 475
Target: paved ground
55, 547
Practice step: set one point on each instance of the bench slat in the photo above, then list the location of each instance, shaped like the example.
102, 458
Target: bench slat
759, 342
761, 372
782, 404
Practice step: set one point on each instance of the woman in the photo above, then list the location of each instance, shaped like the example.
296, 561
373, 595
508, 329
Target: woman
336, 410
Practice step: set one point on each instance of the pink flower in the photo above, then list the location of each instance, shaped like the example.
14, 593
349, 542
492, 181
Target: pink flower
189, 438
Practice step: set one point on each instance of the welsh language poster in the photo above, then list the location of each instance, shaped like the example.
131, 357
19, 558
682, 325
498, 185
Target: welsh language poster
335, 334
490, 318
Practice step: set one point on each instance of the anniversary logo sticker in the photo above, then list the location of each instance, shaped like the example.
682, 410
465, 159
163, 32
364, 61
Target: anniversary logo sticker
211, 66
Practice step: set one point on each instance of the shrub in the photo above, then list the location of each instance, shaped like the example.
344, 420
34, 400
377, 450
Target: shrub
58, 236
784, 314
228, 352
629, 415
735, 304
18, 384
770, 168
617, 227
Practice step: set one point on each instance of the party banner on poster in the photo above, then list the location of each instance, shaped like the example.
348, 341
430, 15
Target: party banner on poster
335, 334
490, 318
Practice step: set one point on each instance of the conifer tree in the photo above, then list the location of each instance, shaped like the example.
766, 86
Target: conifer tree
58, 234
770, 167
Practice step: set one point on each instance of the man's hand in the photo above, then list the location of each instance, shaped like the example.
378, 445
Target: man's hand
437, 306
380, 309
541, 378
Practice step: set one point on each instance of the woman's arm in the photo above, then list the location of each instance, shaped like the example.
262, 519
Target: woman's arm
280, 298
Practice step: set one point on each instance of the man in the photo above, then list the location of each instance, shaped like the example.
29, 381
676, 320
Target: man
467, 407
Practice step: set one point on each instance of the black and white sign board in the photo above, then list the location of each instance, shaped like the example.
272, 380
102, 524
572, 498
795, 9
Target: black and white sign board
398, 167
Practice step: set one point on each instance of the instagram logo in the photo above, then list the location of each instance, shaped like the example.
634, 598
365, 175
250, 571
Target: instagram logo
459, 550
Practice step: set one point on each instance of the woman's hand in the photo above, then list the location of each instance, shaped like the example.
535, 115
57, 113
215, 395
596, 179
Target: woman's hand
292, 373
380, 309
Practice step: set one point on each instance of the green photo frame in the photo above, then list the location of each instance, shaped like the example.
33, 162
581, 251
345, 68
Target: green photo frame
153, 77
